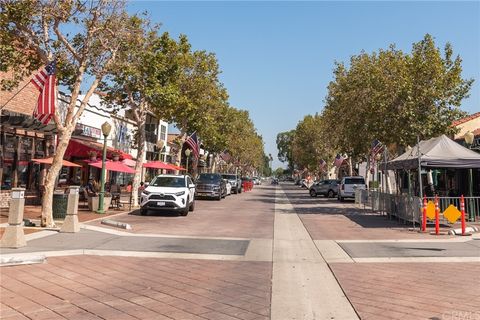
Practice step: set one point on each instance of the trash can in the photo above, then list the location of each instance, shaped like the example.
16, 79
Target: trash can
59, 205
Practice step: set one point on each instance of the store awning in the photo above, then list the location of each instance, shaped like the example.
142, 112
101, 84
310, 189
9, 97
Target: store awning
80, 149
113, 166
65, 163
159, 165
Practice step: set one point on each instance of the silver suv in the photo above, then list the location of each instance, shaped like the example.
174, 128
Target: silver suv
327, 188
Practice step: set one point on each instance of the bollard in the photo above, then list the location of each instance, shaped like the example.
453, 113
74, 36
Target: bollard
424, 217
14, 236
437, 218
71, 219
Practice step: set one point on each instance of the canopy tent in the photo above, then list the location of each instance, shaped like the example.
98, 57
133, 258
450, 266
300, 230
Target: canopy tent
159, 165
178, 168
113, 166
65, 163
440, 152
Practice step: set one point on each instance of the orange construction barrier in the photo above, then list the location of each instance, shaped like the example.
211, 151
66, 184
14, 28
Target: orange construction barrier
437, 216
462, 210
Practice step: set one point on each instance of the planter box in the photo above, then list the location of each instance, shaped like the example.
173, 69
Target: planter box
93, 203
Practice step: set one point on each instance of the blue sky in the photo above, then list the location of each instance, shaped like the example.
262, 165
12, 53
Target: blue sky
277, 57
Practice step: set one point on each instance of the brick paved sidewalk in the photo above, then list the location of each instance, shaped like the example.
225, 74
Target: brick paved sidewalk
86, 287
433, 291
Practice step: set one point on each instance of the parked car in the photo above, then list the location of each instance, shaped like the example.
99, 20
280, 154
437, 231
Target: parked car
274, 181
327, 188
210, 185
348, 185
235, 181
257, 181
169, 192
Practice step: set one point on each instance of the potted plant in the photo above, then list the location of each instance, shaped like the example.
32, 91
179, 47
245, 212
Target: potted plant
92, 155
93, 201
115, 156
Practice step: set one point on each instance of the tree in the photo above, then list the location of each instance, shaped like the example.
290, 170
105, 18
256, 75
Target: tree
201, 96
393, 96
37, 29
310, 143
145, 81
284, 146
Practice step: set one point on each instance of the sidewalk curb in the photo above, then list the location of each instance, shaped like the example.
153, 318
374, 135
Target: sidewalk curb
116, 224
19, 259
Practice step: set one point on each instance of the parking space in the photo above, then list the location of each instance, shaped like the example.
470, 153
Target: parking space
246, 215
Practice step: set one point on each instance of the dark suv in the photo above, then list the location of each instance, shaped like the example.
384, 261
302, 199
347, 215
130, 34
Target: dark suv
234, 180
328, 188
210, 185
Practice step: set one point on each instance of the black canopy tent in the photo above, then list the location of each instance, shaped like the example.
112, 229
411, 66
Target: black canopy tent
440, 152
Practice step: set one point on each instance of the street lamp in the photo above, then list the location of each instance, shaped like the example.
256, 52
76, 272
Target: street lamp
106, 128
187, 153
469, 137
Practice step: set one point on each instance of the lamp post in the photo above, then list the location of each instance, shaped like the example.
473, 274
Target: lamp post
187, 154
469, 136
106, 127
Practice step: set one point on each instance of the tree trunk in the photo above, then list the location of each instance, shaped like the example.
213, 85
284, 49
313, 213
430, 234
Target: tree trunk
140, 159
350, 168
178, 156
52, 174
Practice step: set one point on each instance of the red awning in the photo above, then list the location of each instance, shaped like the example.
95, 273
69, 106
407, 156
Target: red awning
159, 165
178, 168
113, 166
65, 163
81, 148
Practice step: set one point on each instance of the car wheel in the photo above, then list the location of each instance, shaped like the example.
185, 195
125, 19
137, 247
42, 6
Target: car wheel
313, 193
143, 212
330, 194
185, 210
219, 197
192, 206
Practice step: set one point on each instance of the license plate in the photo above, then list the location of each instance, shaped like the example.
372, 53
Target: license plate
161, 203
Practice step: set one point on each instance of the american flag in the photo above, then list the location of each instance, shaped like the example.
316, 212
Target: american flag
338, 160
192, 142
322, 164
225, 155
44, 81
377, 147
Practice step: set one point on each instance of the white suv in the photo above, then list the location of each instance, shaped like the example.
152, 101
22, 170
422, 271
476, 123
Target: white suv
169, 192
348, 185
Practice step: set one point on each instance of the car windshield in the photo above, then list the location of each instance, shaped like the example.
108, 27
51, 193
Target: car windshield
354, 181
173, 182
229, 176
209, 178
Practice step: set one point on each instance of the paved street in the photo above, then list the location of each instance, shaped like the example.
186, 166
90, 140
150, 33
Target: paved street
273, 253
